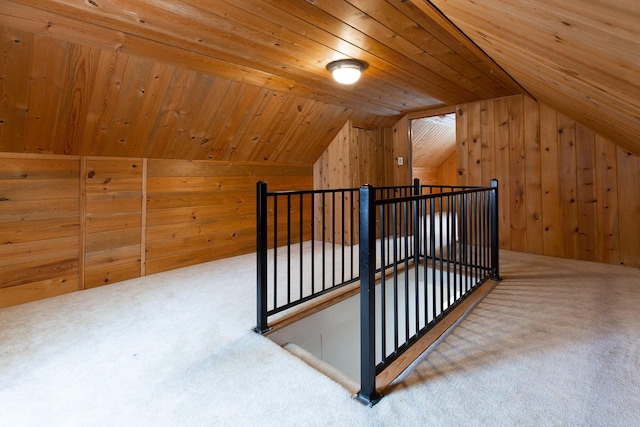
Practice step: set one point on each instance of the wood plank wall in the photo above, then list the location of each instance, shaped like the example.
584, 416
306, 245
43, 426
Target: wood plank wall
202, 211
565, 191
40, 227
445, 174
69, 223
357, 155
113, 226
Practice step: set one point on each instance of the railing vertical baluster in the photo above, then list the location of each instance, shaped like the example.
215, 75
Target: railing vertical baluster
454, 251
474, 238
448, 214
432, 251
485, 234
351, 230
301, 242
262, 248
464, 242
394, 221
425, 265
383, 284
275, 250
477, 242
343, 231
441, 251
288, 248
368, 393
481, 270
324, 239
495, 241
405, 237
333, 238
313, 243
416, 260
387, 207
458, 246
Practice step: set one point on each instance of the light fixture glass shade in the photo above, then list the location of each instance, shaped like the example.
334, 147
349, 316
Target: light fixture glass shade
346, 71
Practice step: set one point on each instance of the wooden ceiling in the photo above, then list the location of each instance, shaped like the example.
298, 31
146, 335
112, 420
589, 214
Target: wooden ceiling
223, 80
433, 140
246, 79
581, 57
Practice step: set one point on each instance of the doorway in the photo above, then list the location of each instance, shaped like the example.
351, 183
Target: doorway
433, 149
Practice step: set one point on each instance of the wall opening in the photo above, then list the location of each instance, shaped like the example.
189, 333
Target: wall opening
433, 149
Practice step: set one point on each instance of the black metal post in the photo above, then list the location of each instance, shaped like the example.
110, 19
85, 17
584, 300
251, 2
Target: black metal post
495, 241
368, 394
416, 186
262, 247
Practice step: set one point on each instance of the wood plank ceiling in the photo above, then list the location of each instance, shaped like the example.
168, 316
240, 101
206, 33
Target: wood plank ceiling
223, 80
581, 57
433, 140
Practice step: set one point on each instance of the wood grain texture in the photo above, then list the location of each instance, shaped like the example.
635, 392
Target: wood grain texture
447, 171
357, 156
71, 223
39, 227
433, 140
406, 48
90, 101
113, 220
15, 51
565, 191
549, 170
253, 89
418, 58
533, 177
580, 58
202, 211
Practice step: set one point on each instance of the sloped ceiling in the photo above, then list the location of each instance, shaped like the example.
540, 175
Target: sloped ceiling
223, 80
246, 79
581, 57
433, 140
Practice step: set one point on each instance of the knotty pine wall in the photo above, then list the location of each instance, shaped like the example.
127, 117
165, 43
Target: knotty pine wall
40, 228
201, 211
565, 191
356, 156
445, 174
69, 223
113, 226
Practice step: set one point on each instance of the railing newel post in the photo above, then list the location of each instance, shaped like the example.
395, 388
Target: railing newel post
262, 247
495, 241
368, 394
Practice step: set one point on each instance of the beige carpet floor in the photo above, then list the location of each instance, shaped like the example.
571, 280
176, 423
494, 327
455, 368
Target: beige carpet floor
556, 343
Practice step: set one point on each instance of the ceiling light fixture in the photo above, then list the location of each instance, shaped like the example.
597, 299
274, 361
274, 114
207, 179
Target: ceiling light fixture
346, 71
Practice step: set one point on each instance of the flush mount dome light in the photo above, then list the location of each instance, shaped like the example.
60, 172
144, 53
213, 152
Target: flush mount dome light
346, 71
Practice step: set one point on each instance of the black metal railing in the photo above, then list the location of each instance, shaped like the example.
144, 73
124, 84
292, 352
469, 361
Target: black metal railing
422, 250
454, 251
323, 224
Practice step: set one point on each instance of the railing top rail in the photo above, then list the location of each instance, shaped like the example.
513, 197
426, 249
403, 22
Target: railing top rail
331, 190
298, 192
392, 187
432, 195
464, 187
451, 188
